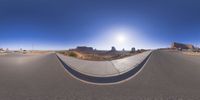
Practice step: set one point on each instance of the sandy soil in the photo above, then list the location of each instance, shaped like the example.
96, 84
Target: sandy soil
98, 57
192, 53
37, 52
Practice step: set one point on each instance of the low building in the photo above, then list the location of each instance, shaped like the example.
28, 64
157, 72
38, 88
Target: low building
1, 50
181, 46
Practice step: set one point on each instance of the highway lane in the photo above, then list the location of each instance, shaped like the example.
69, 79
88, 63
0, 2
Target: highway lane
166, 75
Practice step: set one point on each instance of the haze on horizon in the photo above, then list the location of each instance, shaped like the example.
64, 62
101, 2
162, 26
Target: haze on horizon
63, 24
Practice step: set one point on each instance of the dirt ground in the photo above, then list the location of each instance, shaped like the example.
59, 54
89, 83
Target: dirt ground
36, 52
98, 57
192, 53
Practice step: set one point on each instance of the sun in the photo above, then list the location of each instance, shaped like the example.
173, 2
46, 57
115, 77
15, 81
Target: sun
120, 38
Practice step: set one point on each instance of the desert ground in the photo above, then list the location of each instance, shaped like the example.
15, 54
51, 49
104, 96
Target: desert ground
100, 55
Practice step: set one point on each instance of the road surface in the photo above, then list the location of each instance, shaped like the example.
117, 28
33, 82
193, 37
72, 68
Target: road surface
167, 75
104, 72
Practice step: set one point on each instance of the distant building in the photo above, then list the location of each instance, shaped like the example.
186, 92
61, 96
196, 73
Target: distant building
1, 50
21, 50
113, 48
7, 50
182, 46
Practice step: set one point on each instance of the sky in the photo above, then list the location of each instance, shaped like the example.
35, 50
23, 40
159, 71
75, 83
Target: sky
64, 24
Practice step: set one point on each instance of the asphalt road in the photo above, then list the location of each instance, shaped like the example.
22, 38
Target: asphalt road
166, 76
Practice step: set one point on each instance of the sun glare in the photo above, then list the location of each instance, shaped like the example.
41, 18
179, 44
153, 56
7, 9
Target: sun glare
121, 38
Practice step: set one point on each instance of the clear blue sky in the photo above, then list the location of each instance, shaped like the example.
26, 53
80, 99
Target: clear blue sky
55, 24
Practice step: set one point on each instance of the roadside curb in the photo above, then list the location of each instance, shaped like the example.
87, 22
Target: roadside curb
104, 80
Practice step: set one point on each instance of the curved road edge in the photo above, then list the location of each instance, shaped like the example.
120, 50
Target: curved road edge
104, 80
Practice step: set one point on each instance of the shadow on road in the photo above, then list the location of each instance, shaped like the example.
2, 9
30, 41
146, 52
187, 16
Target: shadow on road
111, 79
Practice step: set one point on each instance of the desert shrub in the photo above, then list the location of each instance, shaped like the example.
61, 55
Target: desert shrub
62, 52
73, 54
